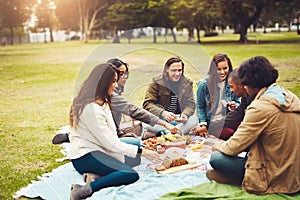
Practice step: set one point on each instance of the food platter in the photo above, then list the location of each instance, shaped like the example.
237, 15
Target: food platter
179, 168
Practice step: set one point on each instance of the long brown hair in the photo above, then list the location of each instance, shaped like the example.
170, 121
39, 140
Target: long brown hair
93, 89
169, 62
213, 77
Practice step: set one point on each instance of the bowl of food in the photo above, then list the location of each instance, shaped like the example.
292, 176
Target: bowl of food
174, 140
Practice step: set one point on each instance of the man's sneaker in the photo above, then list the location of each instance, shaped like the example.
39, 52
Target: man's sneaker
221, 178
60, 138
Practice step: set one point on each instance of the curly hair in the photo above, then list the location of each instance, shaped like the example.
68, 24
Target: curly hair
257, 72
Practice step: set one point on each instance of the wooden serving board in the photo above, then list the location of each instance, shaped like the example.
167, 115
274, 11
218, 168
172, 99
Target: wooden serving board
179, 168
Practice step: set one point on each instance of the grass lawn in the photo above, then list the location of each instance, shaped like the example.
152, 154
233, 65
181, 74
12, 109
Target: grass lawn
37, 84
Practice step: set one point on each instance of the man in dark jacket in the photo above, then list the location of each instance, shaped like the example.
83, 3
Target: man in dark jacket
170, 97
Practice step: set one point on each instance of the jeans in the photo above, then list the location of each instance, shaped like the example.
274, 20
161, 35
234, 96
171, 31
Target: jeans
228, 165
114, 172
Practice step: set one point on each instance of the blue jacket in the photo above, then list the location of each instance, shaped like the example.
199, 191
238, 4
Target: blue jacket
204, 112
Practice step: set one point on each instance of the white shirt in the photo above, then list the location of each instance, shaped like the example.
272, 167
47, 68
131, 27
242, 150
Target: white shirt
218, 114
96, 131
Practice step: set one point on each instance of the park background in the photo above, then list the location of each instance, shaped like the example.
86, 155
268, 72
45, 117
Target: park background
38, 77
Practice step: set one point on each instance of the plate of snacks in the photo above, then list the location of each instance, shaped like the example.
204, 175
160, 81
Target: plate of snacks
174, 140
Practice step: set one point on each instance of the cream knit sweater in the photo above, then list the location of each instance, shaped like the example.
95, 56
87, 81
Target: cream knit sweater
96, 131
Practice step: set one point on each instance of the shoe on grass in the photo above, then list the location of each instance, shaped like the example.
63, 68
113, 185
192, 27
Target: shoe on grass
213, 175
60, 138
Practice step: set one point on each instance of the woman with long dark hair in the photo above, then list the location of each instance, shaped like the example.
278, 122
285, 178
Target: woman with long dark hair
214, 98
95, 146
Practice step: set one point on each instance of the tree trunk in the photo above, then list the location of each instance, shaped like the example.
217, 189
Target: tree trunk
45, 36
191, 34
298, 25
81, 28
12, 34
116, 38
166, 35
51, 35
173, 35
86, 27
246, 21
243, 34
154, 35
198, 35
254, 27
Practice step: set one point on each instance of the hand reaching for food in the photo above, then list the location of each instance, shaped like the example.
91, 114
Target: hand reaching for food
182, 118
199, 130
171, 128
169, 116
153, 156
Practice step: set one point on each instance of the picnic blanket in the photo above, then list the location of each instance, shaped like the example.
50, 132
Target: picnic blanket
151, 185
214, 190
187, 184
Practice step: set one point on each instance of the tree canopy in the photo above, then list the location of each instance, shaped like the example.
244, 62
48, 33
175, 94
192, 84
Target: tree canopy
87, 16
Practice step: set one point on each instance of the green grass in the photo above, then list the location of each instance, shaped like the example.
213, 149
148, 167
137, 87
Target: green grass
289, 37
37, 83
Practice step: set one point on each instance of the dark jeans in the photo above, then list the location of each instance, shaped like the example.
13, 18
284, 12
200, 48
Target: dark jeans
232, 166
114, 172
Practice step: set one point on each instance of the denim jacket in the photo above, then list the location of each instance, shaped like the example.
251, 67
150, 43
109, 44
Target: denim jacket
204, 112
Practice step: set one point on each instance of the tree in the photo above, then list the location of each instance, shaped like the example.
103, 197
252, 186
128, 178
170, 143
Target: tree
184, 10
159, 14
126, 15
45, 13
88, 15
68, 18
243, 14
206, 16
11, 16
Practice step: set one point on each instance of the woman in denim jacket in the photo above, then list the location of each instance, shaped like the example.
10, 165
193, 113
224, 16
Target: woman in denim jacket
214, 98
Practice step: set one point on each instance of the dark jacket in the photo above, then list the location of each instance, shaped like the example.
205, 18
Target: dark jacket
158, 95
235, 117
204, 111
